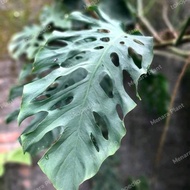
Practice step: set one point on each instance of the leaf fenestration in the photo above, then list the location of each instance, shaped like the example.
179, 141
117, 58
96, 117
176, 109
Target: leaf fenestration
89, 86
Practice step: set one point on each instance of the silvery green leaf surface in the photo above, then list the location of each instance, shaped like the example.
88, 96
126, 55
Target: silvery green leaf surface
80, 98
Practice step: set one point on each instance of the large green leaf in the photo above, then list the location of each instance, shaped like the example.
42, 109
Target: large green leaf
80, 97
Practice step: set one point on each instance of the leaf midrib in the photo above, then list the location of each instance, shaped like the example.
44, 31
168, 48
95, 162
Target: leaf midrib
96, 68
89, 85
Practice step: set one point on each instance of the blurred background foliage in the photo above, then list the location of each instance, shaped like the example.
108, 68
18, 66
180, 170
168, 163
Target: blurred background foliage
15, 15
13, 156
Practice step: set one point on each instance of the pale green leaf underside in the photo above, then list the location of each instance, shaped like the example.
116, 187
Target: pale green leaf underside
80, 98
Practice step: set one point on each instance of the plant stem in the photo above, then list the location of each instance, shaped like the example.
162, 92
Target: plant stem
170, 55
182, 53
149, 6
187, 23
166, 19
145, 21
172, 42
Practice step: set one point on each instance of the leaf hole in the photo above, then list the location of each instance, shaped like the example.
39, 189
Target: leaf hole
66, 86
122, 42
107, 85
36, 45
75, 77
90, 39
137, 58
105, 39
42, 97
129, 85
99, 47
53, 86
57, 44
93, 139
103, 31
115, 59
40, 38
138, 42
78, 57
44, 73
62, 103
52, 136
34, 120
86, 40
101, 124
119, 111
68, 100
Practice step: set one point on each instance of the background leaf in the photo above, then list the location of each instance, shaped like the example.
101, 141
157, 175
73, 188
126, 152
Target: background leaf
121, 12
14, 156
27, 42
152, 86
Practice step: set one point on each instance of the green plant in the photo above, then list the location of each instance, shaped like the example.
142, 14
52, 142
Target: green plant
75, 91
151, 86
13, 156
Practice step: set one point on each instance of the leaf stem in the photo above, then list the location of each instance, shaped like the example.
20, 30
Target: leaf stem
186, 25
143, 19
184, 39
170, 55
182, 53
166, 19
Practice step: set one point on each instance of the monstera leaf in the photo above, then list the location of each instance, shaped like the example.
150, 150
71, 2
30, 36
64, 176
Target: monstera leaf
55, 17
27, 42
121, 11
80, 96
15, 92
12, 116
25, 73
